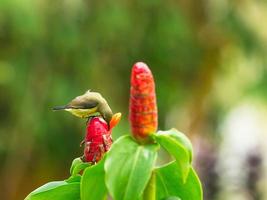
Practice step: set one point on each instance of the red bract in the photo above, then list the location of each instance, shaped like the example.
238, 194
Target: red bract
143, 106
98, 138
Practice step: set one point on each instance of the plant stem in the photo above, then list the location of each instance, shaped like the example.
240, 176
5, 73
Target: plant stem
150, 191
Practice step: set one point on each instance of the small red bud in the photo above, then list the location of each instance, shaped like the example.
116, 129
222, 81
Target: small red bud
98, 138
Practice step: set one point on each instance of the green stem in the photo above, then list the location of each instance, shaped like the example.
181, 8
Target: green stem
150, 191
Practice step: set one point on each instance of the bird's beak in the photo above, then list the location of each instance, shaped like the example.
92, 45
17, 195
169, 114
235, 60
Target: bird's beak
59, 108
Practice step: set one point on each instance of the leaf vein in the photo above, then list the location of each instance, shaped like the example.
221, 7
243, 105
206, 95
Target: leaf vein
133, 168
164, 185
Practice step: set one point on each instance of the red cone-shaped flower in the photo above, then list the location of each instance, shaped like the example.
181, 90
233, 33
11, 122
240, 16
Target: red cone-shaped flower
143, 105
98, 138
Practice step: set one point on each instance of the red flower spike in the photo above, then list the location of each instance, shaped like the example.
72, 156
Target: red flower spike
143, 106
98, 138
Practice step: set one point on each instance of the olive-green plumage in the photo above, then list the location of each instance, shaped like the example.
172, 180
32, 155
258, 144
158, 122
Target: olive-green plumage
88, 104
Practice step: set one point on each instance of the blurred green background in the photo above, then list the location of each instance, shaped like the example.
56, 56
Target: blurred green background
208, 58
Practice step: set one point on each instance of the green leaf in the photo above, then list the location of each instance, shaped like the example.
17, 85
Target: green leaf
172, 198
150, 190
169, 183
179, 137
128, 168
179, 146
75, 162
77, 166
57, 190
72, 179
93, 182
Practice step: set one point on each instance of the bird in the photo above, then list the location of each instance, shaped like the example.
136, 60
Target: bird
87, 105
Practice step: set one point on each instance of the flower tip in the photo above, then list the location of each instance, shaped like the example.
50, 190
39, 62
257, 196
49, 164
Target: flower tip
141, 67
115, 120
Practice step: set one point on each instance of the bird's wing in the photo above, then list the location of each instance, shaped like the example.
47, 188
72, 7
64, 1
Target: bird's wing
82, 103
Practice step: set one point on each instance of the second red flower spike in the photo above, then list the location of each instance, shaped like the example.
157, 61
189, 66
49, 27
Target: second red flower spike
143, 106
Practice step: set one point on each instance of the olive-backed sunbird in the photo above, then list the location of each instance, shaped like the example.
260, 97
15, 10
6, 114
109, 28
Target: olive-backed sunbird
88, 104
